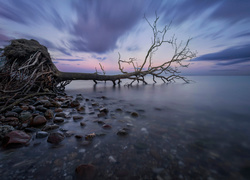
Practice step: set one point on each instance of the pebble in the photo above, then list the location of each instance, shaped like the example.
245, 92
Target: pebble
41, 134
112, 159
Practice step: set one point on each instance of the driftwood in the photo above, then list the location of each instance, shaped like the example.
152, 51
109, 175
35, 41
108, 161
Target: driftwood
29, 69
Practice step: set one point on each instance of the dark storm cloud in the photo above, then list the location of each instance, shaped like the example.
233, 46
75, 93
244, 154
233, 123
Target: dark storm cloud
229, 56
229, 11
32, 13
100, 24
245, 34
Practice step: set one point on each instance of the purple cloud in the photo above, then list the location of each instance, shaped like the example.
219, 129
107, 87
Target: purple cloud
232, 55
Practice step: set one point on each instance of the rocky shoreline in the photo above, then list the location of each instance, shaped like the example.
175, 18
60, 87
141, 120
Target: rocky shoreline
42, 117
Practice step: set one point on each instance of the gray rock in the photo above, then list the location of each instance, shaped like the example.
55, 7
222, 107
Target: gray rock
41, 134
25, 116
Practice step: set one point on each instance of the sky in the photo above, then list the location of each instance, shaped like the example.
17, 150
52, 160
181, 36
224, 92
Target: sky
80, 34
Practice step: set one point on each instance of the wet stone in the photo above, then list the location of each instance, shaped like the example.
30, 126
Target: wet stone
82, 124
17, 110
16, 137
58, 120
30, 130
77, 136
12, 121
75, 103
11, 114
75, 118
49, 114
80, 108
106, 126
61, 114
134, 114
79, 97
89, 137
55, 138
24, 108
58, 110
102, 114
25, 116
38, 121
41, 134
41, 108
50, 127
122, 132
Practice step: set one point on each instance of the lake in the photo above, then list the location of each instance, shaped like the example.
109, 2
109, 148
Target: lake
198, 130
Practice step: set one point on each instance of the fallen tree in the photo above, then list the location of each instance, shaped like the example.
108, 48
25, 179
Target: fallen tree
28, 66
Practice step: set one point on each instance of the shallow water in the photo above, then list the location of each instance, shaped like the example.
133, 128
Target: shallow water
184, 131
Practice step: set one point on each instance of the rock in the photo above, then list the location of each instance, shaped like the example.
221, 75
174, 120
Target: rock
107, 126
82, 124
49, 114
30, 130
38, 121
41, 134
50, 127
112, 159
85, 171
55, 137
41, 108
61, 114
77, 136
144, 130
79, 97
25, 116
16, 137
12, 121
134, 114
95, 104
80, 108
46, 103
17, 110
55, 104
122, 132
105, 110
69, 133
74, 103
89, 137
58, 110
24, 108
75, 118
58, 120
11, 114
102, 114
4, 129
119, 110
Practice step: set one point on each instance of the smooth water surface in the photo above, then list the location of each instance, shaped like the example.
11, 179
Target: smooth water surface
184, 131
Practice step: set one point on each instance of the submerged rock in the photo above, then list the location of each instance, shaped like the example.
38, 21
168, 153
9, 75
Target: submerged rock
75, 118
55, 138
134, 114
85, 171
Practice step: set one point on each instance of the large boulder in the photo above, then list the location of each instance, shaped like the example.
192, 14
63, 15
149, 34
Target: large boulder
16, 137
